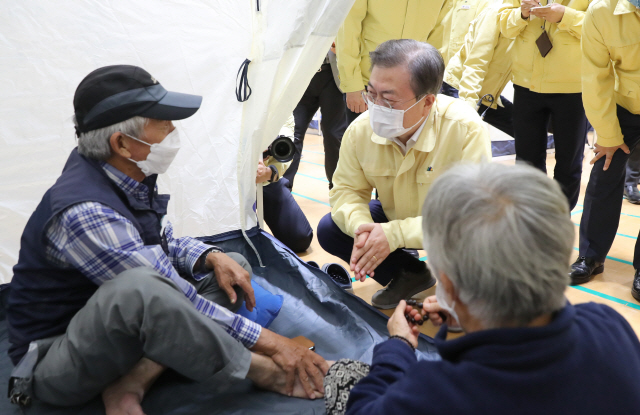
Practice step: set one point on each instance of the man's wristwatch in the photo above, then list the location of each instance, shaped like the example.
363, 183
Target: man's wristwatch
274, 174
203, 258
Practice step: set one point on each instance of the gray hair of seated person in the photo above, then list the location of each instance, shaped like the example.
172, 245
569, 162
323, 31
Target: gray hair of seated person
503, 236
95, 144
424, 62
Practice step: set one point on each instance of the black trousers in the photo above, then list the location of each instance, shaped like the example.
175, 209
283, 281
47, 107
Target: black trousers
531, 112
321, 93
285, 218
603, 198
500, 118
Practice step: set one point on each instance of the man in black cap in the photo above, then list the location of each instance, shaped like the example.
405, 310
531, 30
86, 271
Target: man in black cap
104, 297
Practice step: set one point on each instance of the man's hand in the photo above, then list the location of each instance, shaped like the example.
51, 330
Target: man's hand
295, 360
370, 248
228, 274
552, 14
526, 6
264, 173
355, 102
432, 310
607, 152
399, 326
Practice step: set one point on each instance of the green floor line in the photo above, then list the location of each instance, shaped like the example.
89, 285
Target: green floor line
617, 233
322, 179
317, 164
310, 198
605, 296
611, 258
313, 152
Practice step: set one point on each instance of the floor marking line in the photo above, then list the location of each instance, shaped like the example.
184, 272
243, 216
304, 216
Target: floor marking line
313, 152
605, 296
619, 234
313, 177
317, 164
310, 198
612, 258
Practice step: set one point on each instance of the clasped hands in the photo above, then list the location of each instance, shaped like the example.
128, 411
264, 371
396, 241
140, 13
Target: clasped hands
370, 248
553, 13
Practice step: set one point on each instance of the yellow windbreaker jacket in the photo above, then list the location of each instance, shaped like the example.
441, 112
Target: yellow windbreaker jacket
483, 64
610, 66
372, 22
453, 132
559, 71
458, 14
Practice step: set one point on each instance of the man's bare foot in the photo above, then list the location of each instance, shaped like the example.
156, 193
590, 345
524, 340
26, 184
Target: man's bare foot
119, 400
267, 375
123, 397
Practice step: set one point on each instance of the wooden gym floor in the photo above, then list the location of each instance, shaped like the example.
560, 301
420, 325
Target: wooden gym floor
612, 287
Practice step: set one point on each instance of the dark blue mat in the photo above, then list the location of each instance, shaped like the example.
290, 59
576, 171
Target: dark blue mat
340, 324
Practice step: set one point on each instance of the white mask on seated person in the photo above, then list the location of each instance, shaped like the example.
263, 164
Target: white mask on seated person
387, 122
161, 155
440, 297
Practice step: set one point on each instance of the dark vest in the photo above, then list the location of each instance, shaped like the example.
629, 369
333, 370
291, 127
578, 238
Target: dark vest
44, 297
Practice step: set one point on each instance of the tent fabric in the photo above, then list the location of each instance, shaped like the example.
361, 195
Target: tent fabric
190, 46
340, 324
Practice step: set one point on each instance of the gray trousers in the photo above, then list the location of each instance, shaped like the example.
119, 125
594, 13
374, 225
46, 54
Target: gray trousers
633, 168
139, 314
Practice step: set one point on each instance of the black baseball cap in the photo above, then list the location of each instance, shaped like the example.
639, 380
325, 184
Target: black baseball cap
113, 94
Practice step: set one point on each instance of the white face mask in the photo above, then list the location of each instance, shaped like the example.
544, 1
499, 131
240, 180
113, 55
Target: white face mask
440, 297
161, 155
387, 122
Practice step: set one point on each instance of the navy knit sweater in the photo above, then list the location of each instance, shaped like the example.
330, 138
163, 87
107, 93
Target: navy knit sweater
586, 361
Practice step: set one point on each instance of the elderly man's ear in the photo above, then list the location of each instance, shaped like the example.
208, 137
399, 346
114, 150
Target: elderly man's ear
429, 100
120, 145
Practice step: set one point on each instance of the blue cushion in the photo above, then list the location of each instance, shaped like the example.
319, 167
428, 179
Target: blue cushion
267, 306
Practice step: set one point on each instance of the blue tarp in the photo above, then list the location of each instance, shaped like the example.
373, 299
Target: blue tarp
340, 324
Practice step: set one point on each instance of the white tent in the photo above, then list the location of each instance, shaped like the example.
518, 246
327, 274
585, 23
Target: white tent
192, 46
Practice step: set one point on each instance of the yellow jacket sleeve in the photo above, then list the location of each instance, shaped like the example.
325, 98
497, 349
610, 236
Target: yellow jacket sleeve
348, 44
510, 20
598, 85
281, 167
351, 191
407, 233
572, 20
480, 56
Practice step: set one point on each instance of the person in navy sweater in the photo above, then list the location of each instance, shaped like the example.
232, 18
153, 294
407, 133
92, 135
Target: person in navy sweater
499, 240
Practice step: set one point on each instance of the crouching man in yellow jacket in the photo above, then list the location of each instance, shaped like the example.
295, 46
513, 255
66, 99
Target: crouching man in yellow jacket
406, 139
546, 77
611, 95
482, 68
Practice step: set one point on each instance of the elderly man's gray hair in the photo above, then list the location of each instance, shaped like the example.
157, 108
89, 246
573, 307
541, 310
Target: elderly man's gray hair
424, 62
95, 144
503, 236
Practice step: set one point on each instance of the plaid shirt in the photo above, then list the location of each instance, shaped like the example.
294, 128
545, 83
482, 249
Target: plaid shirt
101, 243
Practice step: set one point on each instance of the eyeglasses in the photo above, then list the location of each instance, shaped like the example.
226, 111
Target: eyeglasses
370, 96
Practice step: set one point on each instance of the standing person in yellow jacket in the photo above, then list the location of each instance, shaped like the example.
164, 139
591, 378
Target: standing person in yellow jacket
451, 29
482, 68
611, 85
546, 76
408, 137
370, 23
